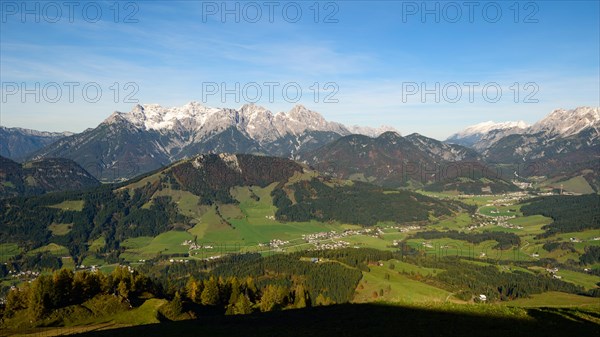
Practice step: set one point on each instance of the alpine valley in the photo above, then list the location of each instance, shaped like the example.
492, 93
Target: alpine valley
465, 203
189, 220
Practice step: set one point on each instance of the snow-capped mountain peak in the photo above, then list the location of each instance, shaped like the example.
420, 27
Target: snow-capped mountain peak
159, 118
483, 135
301, 114
560, 123
257, 121
300, 119
565, 123
371, 131
488, 126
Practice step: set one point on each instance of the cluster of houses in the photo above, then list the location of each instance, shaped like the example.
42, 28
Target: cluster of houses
553, 271
522, 185
331, 245
495, 220
505, 224
317, 237
426, 244
179, 261
194, 246
482, 224
404, 229
92, 268
28, 274
275, 243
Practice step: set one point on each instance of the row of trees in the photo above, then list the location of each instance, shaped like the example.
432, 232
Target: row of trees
237, 297
64, 287
590, 256
238, 284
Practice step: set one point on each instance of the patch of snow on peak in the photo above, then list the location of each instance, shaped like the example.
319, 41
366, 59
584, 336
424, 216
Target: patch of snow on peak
371, 131
156, 117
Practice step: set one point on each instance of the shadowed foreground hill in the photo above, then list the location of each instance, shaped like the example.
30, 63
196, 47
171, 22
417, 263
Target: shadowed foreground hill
377, 320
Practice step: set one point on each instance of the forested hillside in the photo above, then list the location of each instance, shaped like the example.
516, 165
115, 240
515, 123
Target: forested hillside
145, 207
570, 213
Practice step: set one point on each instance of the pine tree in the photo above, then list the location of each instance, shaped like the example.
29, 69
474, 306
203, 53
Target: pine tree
17, 299
250, 288
210, 294
193, 290
123, 289
176, 305
300, 297
40, 297
243, 306
63, 288
322, 300
235, 291
272, 298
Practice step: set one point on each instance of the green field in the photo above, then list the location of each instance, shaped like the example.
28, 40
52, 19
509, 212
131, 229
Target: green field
97, 244
384, 284
532, 220
580, 278
92, 261
147, 313
495, 211
70, 205
146, 247
60, 229
575, 185
409, 268
67, 262
8, 250
456, 222
554, 299
587, 236
52, 248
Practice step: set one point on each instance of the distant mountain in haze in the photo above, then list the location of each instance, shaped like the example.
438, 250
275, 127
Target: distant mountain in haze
481, 136
17, 143
563, 145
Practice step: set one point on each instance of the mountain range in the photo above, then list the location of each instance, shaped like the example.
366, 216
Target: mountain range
559, 124
17, 143
561, 146
151, 136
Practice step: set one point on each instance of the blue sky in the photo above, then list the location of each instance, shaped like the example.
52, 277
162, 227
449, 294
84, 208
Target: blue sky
371, 57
